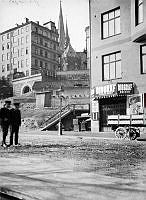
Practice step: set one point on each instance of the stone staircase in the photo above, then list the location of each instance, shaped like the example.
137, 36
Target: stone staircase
54, 119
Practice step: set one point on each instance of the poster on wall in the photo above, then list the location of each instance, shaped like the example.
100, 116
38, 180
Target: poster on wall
135, 104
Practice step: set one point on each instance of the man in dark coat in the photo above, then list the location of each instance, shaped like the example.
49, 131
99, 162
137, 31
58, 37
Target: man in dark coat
5, 121
15, 123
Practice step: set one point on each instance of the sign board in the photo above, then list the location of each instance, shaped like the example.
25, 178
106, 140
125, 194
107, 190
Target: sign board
113, 89
125, 88
95, 106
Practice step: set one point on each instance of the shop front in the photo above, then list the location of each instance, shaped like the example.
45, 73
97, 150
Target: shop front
109, 100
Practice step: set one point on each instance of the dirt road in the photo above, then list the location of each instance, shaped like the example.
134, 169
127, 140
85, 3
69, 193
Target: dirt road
55, 167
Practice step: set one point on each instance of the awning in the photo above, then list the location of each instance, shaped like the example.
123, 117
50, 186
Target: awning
108, 96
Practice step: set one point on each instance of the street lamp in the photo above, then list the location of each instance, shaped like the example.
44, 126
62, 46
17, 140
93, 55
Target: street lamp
59, 93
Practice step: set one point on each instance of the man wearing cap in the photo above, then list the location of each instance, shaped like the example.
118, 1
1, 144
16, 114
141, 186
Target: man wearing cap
5, 120
15, 123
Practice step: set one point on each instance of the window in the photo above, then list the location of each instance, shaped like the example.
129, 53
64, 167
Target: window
3, 48
111, 66
8, 45
14, 49
46, 54
36, 29
27, 38
41, 41
22, 40
36, 39
14, 39
22, 63
8, 56
26, 50
36, 51
22, 30
41, 64
143, 59
27, 28
111, 23
3, 68
45, 33
3, 57
36, 62
14, 61
138, 12
22, 52
15, 33
27, 72
8, 67
41, 31
15, 70
46, 44
8, 35
3, 37
54, 47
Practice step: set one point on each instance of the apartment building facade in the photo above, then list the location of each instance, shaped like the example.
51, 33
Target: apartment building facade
118, 58
29, 49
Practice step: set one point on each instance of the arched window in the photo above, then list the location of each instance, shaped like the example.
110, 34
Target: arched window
26, 89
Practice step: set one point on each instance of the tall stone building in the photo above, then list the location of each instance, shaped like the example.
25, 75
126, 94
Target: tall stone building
26, 52
118, 58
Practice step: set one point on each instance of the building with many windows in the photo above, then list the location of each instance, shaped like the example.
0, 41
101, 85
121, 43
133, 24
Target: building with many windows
118, 58
28, 50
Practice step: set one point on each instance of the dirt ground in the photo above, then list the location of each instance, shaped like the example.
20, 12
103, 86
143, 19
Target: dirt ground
48, 166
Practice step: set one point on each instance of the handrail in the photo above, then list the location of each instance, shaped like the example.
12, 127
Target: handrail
64, 109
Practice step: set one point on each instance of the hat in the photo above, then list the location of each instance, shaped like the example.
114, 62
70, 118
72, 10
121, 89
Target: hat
8, 101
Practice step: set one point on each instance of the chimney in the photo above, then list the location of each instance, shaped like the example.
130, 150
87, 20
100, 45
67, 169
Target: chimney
27, 20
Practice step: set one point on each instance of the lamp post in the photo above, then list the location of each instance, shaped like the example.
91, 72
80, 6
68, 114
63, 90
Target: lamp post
59, 91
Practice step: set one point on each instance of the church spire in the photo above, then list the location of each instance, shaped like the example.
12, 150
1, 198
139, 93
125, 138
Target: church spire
67, 38
61, 30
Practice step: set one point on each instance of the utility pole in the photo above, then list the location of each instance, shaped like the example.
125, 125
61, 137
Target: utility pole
59, 93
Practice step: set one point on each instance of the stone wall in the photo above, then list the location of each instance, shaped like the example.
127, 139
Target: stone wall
21, 83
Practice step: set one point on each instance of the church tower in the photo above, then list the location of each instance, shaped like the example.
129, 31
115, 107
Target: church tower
70, 59
61, 30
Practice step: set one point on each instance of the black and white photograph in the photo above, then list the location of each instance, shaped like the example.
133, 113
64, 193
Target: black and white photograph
72, 99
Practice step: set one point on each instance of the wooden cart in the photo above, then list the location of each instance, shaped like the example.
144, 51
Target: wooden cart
127, 125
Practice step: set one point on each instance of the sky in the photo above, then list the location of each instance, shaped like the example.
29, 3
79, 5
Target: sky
75, 11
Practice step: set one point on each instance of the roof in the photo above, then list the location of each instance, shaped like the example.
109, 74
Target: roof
24, 24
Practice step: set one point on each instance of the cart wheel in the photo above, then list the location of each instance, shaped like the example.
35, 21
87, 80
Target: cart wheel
132, 134
120, 132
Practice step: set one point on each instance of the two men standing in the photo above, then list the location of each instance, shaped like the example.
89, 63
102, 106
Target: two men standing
10, 117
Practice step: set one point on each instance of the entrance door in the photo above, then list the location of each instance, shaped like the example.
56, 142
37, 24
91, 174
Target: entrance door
112, 106
47, 102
